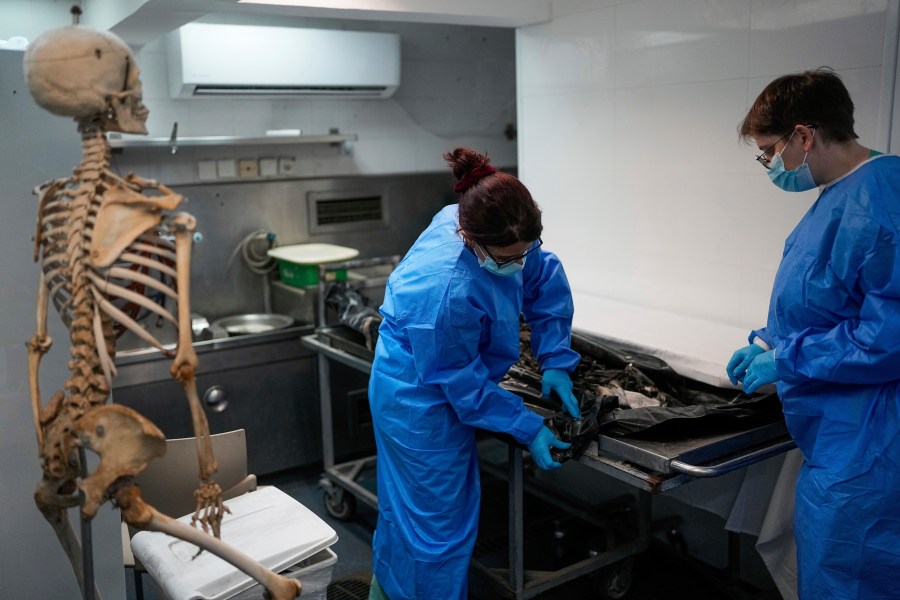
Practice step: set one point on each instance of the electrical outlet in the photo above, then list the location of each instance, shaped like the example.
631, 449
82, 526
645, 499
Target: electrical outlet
287, 165
248, 168
226, 167
268, 167
206, 170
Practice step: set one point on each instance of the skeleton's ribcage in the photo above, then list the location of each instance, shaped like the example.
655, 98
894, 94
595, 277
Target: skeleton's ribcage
134, 287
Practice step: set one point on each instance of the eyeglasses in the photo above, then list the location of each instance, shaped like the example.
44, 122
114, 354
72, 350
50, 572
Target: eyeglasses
764, 159
511, 259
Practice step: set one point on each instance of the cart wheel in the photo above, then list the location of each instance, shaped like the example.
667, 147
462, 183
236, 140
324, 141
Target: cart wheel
614, 582
676, 540
340, 504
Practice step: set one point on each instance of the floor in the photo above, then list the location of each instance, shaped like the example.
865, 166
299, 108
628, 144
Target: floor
660, 572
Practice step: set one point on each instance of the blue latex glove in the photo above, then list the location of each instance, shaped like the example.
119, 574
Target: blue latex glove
540, 448
762, 371
740, 362
557, 380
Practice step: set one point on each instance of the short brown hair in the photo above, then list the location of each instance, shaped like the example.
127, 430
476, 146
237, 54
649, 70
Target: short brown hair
816, 97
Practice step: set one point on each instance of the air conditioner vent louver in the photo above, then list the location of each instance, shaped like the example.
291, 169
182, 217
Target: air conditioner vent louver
252, 90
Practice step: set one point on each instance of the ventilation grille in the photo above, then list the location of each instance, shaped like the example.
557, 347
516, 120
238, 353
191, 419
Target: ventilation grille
355, 210
345, 213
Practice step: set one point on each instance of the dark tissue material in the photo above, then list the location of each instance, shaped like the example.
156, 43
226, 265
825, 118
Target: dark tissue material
579, 432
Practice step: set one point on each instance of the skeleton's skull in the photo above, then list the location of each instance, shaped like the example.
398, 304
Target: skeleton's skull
87, 74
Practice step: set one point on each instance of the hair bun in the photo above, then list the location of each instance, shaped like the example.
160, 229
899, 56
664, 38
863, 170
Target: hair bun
469, 168
465, 160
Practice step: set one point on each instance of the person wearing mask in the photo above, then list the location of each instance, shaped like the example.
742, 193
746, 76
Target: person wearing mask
832, 339
450, 332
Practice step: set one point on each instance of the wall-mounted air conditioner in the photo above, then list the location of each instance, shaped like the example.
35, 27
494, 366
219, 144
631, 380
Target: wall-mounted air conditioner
251, 61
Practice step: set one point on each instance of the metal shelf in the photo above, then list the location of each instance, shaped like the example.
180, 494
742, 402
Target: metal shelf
231, 140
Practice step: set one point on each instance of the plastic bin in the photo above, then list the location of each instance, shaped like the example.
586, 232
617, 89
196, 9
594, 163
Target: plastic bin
314, 573
267, 525
298, 265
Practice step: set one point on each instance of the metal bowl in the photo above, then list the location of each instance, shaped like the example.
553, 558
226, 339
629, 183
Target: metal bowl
253, 323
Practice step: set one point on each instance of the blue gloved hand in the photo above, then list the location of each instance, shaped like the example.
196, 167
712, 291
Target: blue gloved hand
740, 362
557, 380
540, 448
762, 371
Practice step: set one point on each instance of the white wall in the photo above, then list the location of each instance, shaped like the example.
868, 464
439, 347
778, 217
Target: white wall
628, 116
30, 18
457, 89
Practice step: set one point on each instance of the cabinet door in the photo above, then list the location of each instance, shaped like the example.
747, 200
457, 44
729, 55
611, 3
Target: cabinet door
354, 436
270, 389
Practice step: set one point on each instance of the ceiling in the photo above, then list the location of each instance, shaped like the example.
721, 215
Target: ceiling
141, 21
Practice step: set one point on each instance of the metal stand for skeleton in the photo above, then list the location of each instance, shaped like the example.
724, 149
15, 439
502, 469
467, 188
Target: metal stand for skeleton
87, 538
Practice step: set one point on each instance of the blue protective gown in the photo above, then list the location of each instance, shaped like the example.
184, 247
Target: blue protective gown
450, 333
834, 322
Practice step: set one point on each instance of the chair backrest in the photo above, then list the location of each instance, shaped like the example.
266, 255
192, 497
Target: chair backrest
168, 482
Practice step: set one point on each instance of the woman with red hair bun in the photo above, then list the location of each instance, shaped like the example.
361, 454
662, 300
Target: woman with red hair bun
450, 333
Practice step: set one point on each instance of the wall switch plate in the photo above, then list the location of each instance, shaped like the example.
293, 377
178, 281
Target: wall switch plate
226, 167
248, 168
268, 167
206, 170
287, 165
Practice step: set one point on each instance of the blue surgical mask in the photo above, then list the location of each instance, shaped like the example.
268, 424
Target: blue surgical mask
796, 180
488, 264
505, 271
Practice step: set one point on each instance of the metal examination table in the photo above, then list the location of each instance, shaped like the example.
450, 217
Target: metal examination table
650, 466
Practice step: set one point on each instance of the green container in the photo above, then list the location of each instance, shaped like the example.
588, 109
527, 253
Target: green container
298, 275
298, 264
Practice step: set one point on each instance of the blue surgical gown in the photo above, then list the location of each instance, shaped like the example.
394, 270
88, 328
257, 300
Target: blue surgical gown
450, 332
834, 322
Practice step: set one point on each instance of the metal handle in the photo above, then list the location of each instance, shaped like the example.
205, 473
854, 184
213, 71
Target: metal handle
216, 398
733, 464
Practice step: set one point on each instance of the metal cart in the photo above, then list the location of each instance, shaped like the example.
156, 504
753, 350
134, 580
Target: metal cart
650, 466
331, 342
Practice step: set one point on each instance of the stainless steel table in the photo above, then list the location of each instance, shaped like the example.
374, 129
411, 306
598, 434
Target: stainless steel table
650, 466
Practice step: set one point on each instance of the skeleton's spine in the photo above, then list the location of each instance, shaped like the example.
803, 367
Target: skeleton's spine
88, 385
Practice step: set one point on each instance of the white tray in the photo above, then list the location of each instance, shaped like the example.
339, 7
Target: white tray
268, 525
313, 254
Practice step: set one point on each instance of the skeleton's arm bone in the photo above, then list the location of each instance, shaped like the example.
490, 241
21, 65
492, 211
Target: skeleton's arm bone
37, 347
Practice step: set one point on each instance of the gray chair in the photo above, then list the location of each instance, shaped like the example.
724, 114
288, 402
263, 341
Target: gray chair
168, 484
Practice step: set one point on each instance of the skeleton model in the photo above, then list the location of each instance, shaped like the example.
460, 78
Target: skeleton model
102, 242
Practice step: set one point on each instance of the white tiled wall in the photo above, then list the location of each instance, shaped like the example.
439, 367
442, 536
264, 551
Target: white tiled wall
628, 116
